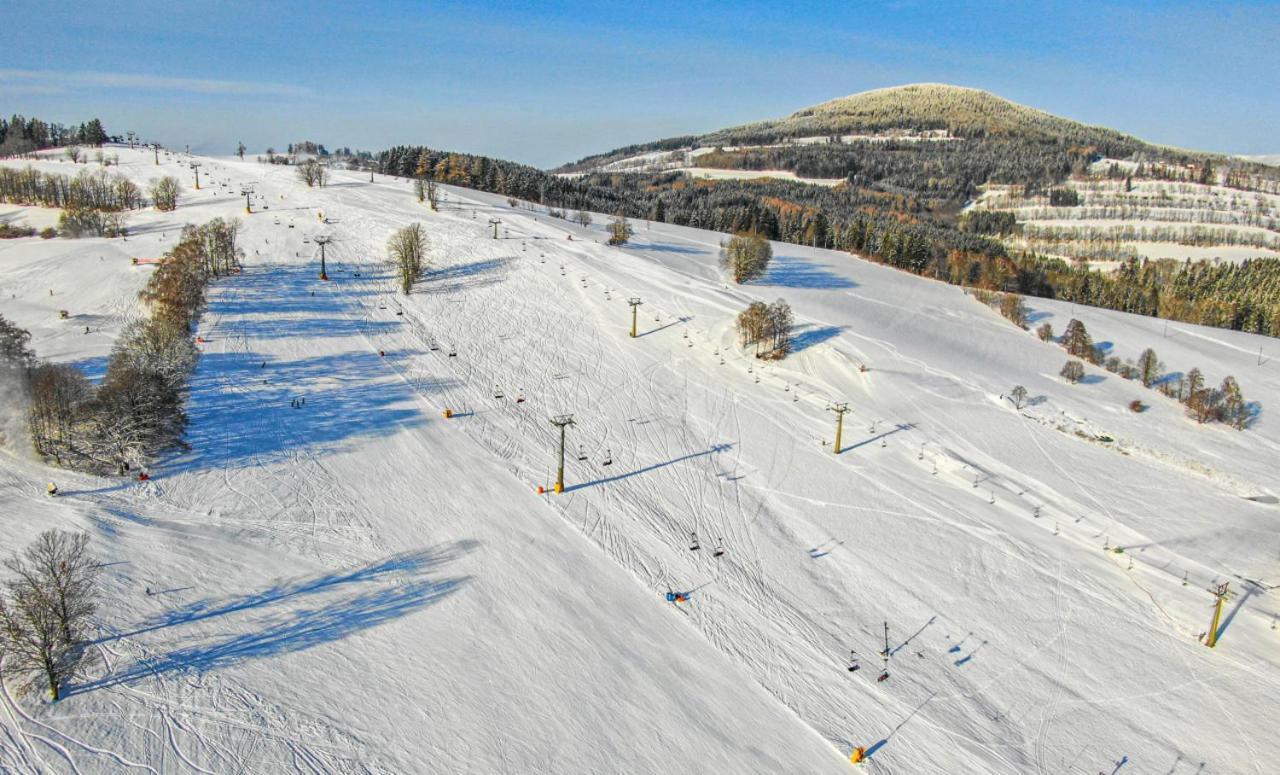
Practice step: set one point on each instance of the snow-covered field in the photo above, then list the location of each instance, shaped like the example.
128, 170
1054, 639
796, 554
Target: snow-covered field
361, 585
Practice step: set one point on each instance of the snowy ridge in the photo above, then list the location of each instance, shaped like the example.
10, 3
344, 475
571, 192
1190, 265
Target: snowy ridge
363, 585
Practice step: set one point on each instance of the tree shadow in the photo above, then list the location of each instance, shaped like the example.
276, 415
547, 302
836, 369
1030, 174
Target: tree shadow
1092, 379
714, 450
665, 248
793, 272
241, 411
476, 274
810, 335
403, 590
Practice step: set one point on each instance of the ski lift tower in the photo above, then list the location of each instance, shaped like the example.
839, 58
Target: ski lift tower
322, 240
561, 421
246, 192
1219, 595
635, 304
195, 167
840, 409
494, 223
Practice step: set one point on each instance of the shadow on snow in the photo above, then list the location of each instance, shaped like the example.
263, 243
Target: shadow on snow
403, 589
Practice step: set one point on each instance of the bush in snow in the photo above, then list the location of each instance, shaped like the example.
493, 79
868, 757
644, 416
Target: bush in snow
1072, 371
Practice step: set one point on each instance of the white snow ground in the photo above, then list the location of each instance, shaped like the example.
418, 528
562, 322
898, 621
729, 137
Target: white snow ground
364, 586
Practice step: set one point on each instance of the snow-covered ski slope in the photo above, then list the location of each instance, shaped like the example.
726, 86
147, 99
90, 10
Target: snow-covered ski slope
364, 585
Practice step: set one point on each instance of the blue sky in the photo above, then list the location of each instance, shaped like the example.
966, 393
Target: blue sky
546, 83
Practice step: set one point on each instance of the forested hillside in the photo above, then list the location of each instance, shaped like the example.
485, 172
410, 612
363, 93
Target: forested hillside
912, 158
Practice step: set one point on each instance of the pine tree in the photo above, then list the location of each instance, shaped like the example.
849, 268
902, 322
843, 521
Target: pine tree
1077, 341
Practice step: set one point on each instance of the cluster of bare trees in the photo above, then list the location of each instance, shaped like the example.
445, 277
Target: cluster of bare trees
1011, 305
313, 173
427, 190
93, 190
407, 250
746, 257
137, 410
619, 230
85, 222
164, 193
767, 327
45, 610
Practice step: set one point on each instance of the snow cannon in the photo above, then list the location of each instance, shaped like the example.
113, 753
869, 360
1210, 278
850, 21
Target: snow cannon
447, 413
144, 477
542, 490
382, 353
859, 755
559, 488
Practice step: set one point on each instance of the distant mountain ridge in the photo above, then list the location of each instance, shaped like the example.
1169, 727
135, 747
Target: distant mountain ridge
914, 108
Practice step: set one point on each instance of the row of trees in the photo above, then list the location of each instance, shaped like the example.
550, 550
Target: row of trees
767, 327
137, 410
45, 609
1226, 404
90, 189
20, 135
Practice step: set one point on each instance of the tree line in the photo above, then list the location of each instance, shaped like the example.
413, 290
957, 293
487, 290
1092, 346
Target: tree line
137, 411
1225, 404
20, 135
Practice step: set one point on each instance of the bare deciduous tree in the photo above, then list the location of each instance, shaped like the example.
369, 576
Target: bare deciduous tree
164, 193
406, 249
619, 230
45, 611
746, 257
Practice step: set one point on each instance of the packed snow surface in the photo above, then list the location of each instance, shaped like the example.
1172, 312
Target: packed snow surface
362, 585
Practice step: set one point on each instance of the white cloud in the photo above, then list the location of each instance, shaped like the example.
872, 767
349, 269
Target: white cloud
16, 80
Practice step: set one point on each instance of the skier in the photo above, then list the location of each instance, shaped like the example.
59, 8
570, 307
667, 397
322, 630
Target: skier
677, 597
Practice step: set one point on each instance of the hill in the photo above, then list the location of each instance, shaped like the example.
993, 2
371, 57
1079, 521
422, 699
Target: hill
914, 111
362, 584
